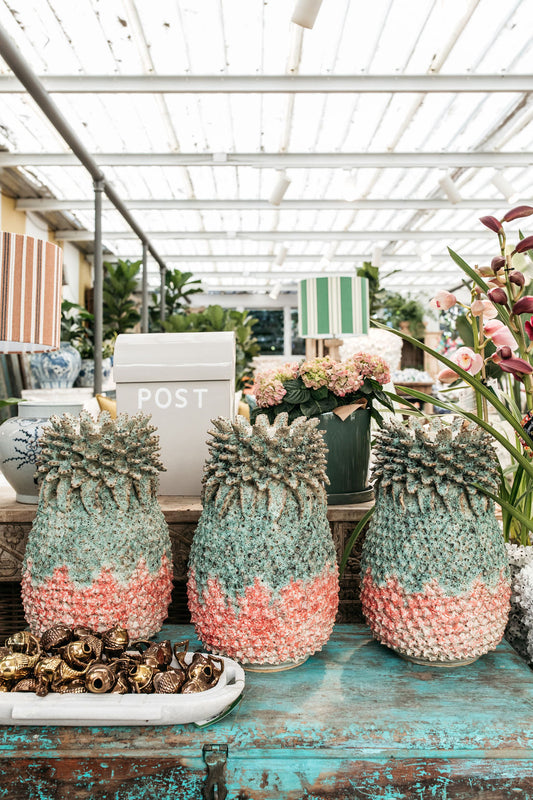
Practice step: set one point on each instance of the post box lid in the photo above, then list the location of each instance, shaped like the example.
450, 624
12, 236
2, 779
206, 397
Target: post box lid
146, 357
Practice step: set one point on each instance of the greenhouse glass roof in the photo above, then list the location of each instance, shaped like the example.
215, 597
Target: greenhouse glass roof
392, 122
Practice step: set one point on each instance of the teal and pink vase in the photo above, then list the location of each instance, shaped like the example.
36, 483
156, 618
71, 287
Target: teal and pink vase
263, 578
98, 553
435, 579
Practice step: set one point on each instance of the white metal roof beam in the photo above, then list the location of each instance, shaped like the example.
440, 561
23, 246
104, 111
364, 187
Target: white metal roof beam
276, 160
52, 204
357, 236
267, 84
295, 259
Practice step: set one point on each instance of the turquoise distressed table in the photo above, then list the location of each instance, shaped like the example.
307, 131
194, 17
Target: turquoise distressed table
355, 721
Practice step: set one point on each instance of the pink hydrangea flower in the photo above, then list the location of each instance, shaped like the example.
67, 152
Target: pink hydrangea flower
268, 389
371, 366
344, 378
315, 373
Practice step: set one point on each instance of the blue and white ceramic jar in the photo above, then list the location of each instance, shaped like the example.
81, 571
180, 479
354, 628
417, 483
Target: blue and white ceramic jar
19, 444
56, 369
86, 374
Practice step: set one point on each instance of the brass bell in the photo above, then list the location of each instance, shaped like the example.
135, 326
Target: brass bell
72, 687
23, 642
4, 686
55, 637
25, 685
115, 640
169, 682
78, 654
192, 687
140, 675
14, 667
96, 644
180, 651
122, 685
47, 666
67, 673
161, 652
81, 631
100, 678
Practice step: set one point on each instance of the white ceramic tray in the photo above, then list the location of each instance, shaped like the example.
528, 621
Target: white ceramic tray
25, 708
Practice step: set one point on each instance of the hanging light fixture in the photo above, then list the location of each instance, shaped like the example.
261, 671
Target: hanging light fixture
274, 292
450, 189
328, 256
305, 12
377, 254
279, 189
280, 258
505, 187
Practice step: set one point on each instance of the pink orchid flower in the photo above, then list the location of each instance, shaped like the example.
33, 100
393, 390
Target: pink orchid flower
443, 300
465, 358
500, 334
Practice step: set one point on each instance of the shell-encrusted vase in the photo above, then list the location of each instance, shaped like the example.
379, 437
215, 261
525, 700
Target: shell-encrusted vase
98, 553
435, 580
263, 577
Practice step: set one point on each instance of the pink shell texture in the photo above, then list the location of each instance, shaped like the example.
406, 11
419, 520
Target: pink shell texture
267, 628
432, 625
140, 605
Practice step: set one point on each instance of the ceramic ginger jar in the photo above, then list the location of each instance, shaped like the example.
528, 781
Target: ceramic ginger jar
435, 580
263, 577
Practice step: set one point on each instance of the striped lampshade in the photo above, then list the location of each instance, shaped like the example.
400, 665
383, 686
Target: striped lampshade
332, 306
30, 294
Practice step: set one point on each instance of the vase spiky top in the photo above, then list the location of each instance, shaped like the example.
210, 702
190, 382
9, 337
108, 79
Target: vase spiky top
435, 578
263, 583
99, 550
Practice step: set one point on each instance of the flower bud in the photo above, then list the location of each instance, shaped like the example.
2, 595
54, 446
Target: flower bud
525, 244
528, 326
485, 272
516, 213
492, 223
517, 277
498, 296
523, 306
497, 263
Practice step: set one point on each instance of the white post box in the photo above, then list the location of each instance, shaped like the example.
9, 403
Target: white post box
183, 380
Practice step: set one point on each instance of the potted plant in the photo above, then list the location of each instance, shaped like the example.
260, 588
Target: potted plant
342, 394
500, 318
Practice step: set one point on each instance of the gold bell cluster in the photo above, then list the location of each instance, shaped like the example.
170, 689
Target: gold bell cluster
79, 660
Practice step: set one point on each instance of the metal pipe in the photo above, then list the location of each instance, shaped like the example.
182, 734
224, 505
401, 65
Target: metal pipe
144, 314
98, 286
287, 331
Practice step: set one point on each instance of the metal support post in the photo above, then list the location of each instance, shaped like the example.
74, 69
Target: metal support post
144, 312
98, 285
163, 293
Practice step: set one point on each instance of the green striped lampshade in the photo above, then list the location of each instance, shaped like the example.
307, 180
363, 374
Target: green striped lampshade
332, 306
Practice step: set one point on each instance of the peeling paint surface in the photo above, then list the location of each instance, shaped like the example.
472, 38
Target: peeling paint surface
356, 721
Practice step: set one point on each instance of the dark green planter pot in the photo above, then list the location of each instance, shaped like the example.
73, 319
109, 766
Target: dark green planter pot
348, 445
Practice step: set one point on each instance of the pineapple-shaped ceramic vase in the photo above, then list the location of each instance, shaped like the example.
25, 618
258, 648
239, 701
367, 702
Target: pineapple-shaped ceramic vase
98, 553
435, 581
263, 577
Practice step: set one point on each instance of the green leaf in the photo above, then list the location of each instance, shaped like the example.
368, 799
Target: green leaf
512, 510
296, 394
320, 394
353, 538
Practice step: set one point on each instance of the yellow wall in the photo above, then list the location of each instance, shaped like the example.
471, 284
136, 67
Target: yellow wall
13, 221
86, 280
